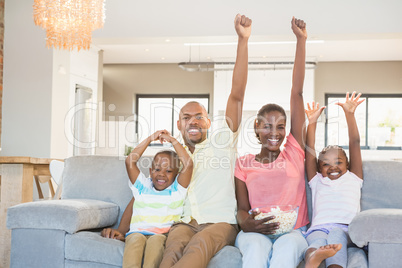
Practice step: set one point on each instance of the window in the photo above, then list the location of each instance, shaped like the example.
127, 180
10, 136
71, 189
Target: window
156, 112
379, 120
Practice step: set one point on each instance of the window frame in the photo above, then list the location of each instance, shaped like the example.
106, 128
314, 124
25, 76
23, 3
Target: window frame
173, 97
367, 97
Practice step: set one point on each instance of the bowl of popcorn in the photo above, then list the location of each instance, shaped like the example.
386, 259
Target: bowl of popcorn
286, 215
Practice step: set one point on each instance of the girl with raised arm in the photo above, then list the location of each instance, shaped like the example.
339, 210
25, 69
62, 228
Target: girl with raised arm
335, 184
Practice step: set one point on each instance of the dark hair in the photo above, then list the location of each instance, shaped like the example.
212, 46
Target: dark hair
172, 154
329, 148
267, 108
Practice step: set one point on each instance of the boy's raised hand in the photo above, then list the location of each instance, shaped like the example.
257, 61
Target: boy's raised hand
299, 28
242, 26
313, 112
160, 135
167, 137
351, 103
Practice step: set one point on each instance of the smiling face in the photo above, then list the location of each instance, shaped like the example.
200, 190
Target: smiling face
164, 171
193, 123
271, 130
333, 163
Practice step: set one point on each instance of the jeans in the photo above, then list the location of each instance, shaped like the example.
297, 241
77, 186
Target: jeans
317, 239
259, 250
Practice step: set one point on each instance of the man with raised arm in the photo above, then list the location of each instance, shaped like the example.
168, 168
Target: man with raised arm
209, 219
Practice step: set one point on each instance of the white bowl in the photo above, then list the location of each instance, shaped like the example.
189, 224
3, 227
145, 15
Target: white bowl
286, 215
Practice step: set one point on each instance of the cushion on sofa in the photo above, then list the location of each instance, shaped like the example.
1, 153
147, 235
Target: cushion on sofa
376, 226
76, 214
382, 185
97, 177
91, 247
227, 257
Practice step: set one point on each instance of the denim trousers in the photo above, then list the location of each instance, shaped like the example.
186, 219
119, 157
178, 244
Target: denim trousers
318, 238
259, 250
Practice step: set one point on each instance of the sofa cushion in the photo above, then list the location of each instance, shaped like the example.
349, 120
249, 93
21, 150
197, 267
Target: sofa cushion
83, 264
97, 177
227, 257
356, 259
376, 226
382, 185
37, 248
91, 247
78, 214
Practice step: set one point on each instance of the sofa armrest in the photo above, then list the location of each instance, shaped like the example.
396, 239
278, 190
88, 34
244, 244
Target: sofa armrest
70, 215
376, 226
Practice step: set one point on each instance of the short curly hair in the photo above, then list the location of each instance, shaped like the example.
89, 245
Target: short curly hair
267, 108
175, 158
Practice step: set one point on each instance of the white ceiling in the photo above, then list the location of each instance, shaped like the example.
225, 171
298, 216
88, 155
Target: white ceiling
157, 31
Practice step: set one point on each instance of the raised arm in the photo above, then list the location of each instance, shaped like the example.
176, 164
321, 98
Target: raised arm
187, 170
234, 105
135, 155
355, 156
313, 113
297, 127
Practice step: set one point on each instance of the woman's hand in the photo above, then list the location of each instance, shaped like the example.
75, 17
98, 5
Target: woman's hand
259, 226
243, 26
299, 28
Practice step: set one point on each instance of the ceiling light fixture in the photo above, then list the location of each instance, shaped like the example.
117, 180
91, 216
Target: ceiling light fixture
69, 23
226, 66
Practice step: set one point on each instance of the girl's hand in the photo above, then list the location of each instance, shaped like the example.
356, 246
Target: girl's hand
243, 26
299, 28
351, 103
259, 226
313, 112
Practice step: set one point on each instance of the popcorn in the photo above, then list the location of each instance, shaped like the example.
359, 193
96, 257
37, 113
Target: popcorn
286, 219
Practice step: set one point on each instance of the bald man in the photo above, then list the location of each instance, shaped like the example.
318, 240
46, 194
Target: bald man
209, 219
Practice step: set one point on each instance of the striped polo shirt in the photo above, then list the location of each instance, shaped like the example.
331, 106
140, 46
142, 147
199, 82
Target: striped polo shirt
155, 211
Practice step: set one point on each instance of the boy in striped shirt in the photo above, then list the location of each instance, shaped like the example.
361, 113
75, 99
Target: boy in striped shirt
158, 200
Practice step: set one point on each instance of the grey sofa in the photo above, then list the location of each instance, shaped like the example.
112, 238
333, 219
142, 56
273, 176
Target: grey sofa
65, 233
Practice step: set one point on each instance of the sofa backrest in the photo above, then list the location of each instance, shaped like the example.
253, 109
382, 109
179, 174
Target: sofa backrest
105, 178
98, 177
382, 185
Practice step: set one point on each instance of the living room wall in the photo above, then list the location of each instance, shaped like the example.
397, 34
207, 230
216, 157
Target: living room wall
27, 84
383, 77
122, 81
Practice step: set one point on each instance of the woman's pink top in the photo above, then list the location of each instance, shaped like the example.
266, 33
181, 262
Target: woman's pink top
278, 183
